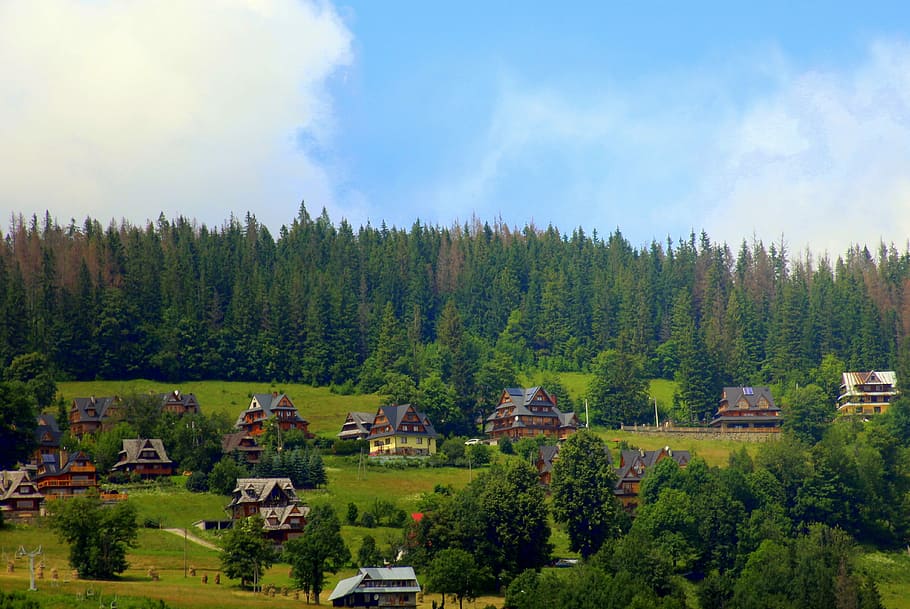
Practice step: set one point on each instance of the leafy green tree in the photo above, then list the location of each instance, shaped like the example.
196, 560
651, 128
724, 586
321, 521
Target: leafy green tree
619, 391
223, 477
454, 571
33, 369
807, 413
672, 523
17, 423
582, 488
108, 444
98, 535
246, 553
319, 549
368, 555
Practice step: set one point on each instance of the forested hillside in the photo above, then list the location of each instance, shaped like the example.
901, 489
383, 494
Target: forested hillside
454, 310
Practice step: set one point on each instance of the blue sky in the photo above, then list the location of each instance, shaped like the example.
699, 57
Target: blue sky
771, 121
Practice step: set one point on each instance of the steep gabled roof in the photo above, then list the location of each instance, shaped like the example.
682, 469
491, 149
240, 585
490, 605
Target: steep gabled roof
256, 490
240, 440
735, 397
58, 464
634, 463
48, 433
268, 403
357, 424
395, 414
16, 485
101, 406
134, 449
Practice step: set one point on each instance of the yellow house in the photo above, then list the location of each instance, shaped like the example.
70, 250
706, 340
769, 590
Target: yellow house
865, 393
401, 430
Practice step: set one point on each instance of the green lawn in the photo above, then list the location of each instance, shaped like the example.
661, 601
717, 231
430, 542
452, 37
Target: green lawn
324, 410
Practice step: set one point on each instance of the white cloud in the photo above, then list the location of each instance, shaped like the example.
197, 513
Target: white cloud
822, 160
757, 147
131, 107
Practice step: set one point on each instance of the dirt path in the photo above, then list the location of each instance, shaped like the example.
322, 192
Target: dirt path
193, 538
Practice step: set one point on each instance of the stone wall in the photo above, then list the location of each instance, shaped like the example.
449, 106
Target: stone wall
704, 433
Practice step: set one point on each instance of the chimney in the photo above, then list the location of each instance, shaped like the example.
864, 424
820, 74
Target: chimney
274, 394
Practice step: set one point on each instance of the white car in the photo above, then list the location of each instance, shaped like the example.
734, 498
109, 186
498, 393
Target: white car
473, 441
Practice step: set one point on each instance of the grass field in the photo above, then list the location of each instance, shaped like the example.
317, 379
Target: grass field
324, 410
173, 506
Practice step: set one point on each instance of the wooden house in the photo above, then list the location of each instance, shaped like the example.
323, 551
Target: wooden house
244, 444
275, 500
401, 430
867, 393
356, 426
62, 474
88, 415
47, 437
747, 409
19, 496
526, 413
546, 457
179, 403
378, 587
633, 464
145, 457
265, 406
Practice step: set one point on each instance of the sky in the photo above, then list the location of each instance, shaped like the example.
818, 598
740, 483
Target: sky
774, 121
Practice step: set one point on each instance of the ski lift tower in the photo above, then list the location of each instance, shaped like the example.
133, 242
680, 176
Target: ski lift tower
31, 564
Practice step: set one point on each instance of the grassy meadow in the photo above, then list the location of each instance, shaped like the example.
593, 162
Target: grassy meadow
172, 506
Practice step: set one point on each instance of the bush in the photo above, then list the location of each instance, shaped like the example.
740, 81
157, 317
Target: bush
505, 446
353, 512
367, 520
478, 454
197, 482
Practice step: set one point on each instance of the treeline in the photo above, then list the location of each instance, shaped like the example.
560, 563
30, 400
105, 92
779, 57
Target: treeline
458, 308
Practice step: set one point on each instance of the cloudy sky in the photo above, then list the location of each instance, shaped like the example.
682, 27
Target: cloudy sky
658, 118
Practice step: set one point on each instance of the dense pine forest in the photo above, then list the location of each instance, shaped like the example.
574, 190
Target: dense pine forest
453, 309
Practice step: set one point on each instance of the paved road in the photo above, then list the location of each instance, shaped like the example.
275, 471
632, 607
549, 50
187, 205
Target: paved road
193, 538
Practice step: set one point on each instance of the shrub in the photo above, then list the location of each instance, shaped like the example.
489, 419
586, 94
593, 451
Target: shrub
505, 446
367, 520
197, 482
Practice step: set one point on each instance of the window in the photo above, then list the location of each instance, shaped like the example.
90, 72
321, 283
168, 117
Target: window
877, 410
404, 440
858, 410
420, 440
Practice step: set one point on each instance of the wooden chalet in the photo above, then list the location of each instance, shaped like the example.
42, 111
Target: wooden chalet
88, 415
265, 406
526, 413
47, 437
747, 409
546, 457
378, 587
145, 457
867, 393
19, 496
633, 464
275, 500
356, 426
244, 444
179, 403
61, 474
401, 430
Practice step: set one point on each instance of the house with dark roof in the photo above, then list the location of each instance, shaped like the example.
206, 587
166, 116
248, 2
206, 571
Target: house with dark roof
61, 474
242, 443
275, 500
546, 457
633, 464
356, 426
867, 393
19, 496
526, 413
401, 429
88, 415
378, 587
47, 436
179, 403
747, 409
145, 457
265, 406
